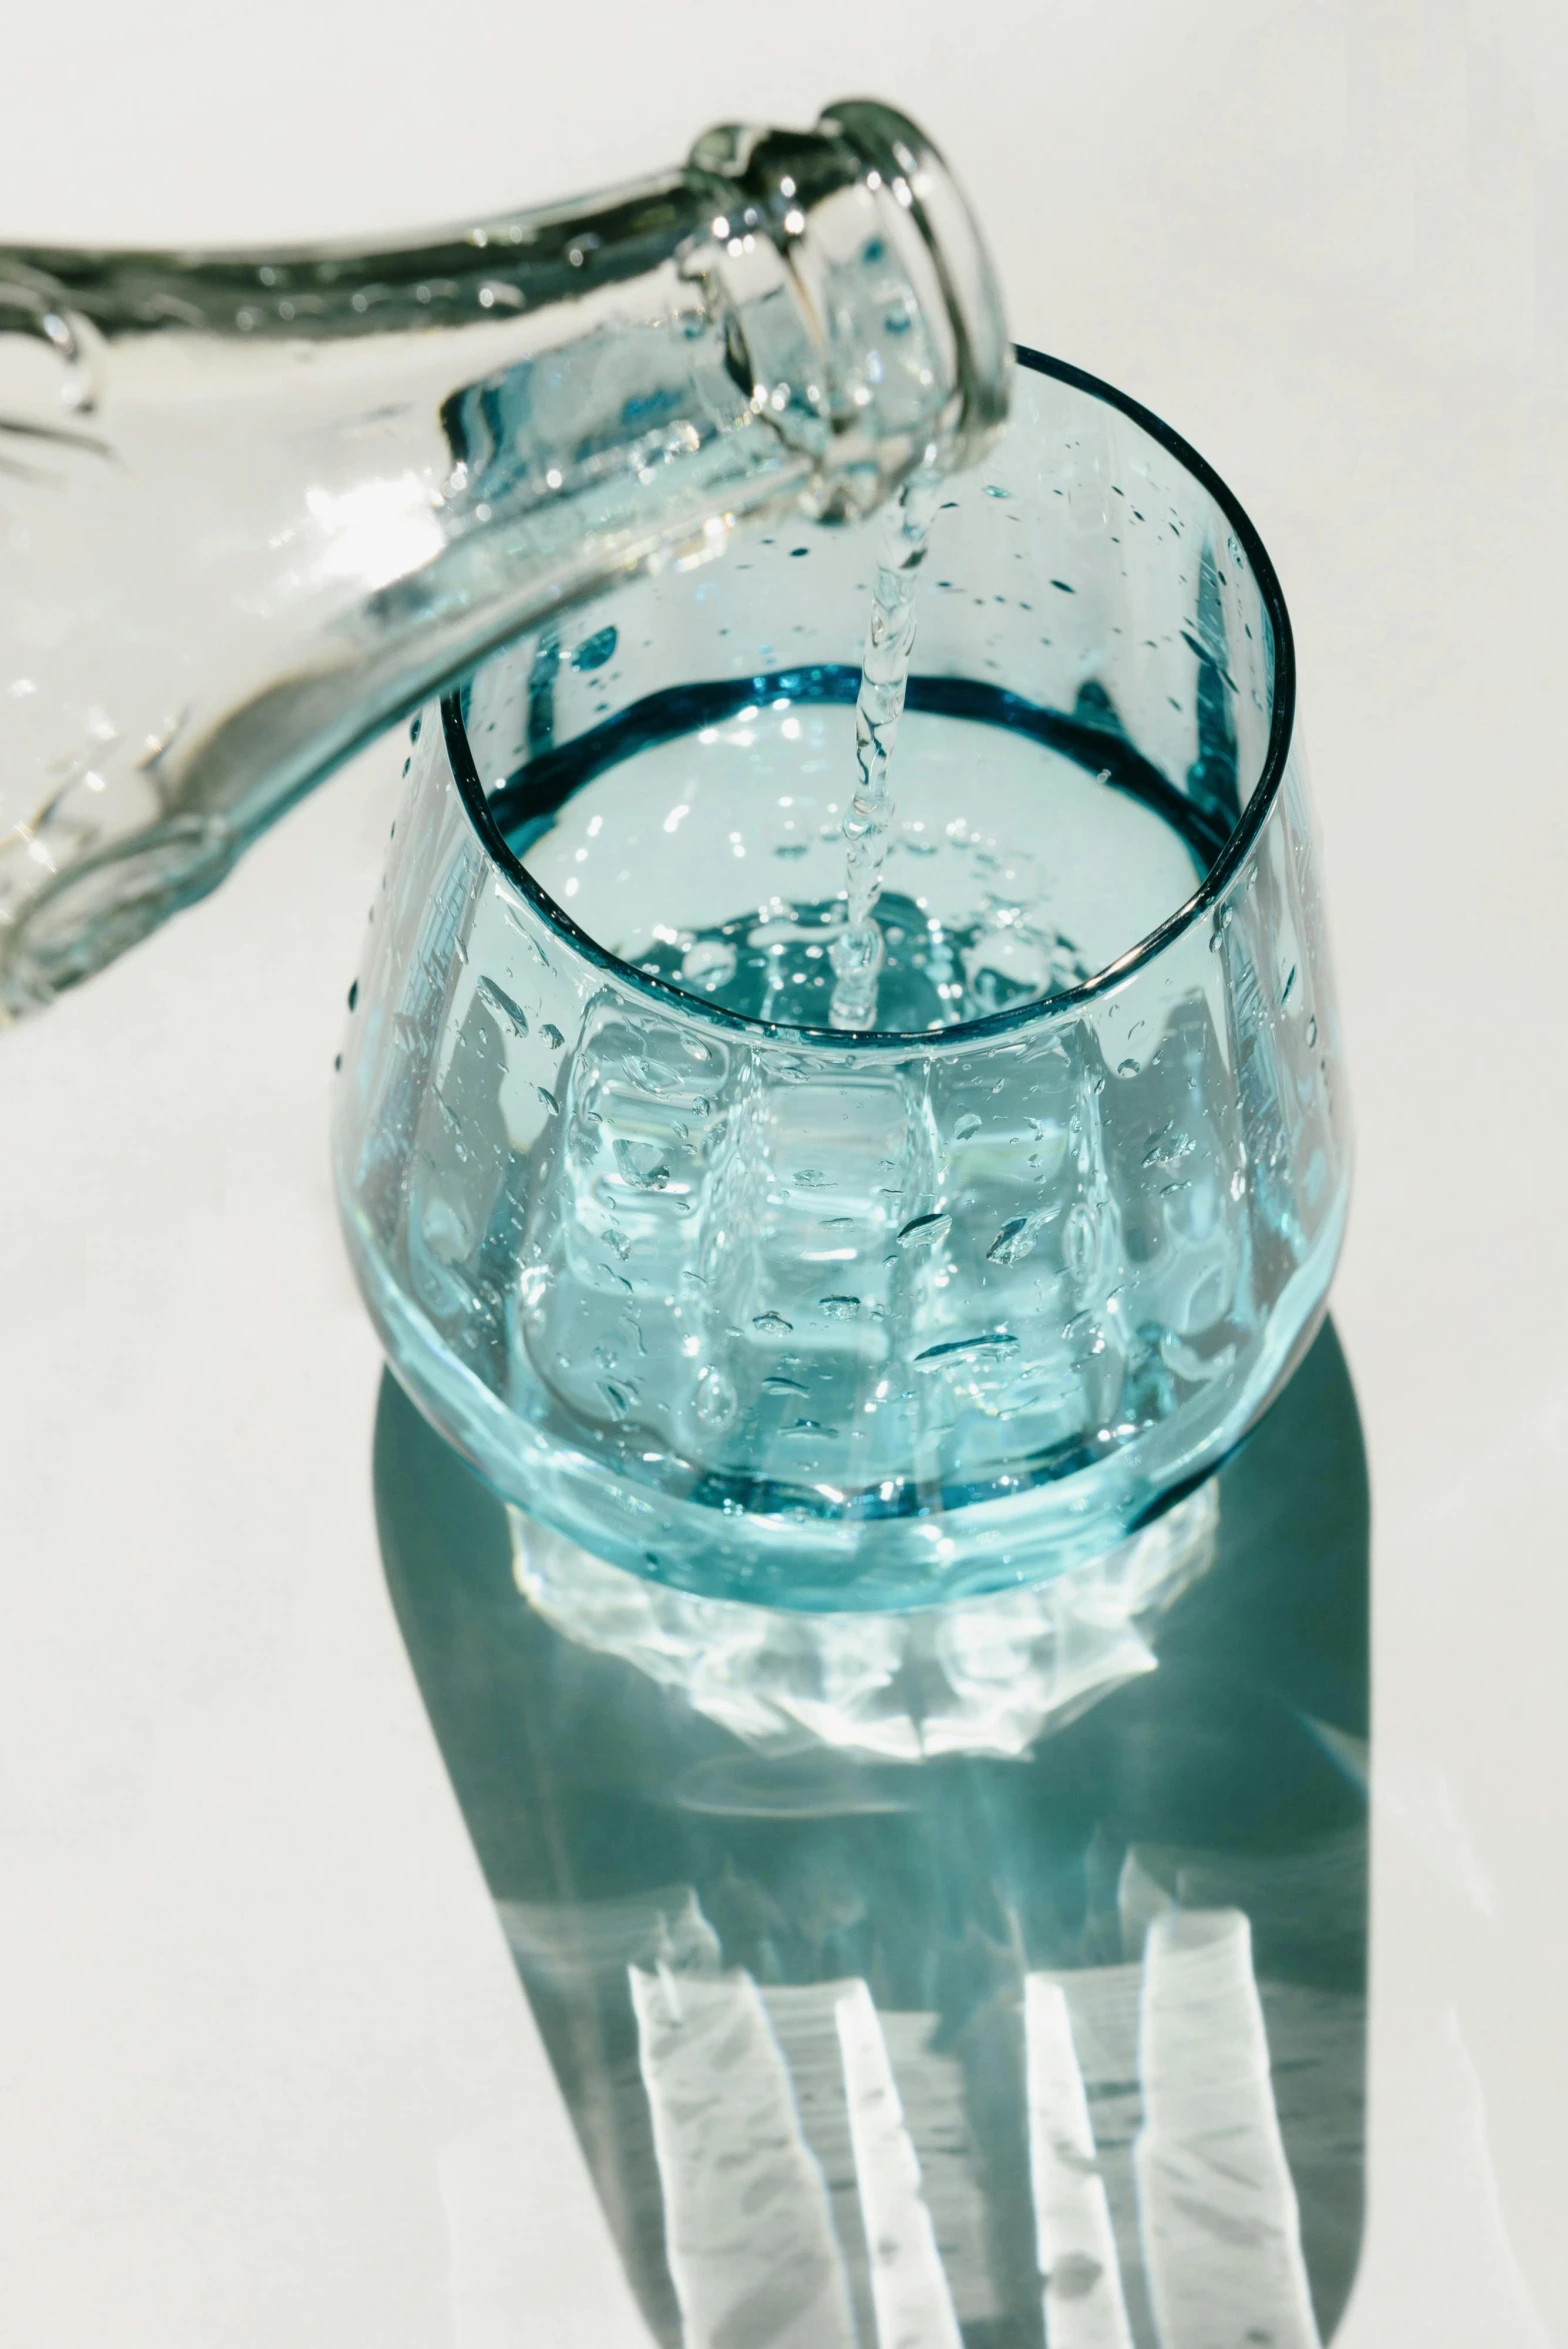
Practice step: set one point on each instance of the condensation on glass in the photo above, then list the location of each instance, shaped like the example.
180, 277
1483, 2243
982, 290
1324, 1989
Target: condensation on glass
832, 1320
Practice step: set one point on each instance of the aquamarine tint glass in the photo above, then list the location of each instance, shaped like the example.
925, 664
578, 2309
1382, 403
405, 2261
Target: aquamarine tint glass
864, 1320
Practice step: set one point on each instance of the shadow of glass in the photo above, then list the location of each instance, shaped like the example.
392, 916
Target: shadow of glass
1063, 2047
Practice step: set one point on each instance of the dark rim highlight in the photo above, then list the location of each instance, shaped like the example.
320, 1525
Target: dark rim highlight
1204, 898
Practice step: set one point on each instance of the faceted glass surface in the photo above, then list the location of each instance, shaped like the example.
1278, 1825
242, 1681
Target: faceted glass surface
864, 1320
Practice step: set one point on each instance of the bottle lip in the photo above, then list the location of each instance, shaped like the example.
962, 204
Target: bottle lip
923, 184
1215, 886
778, 179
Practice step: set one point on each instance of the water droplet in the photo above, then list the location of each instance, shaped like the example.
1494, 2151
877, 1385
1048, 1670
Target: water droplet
1312, 1032
1126, 1068
1017, 1237
1285, 991
353, 994
811, 1178
641, 1165
778, 1384
987, 1342
446, 1229
1081, 1240
716, 1399
499, 1001
549, 1100
840, 1308
771, 1321
923, 1231
595, 650
967, 1126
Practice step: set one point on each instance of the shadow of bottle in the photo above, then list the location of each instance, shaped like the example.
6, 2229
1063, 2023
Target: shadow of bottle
1061, 2047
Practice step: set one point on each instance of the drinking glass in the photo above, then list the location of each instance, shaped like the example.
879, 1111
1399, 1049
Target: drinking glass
871, 1318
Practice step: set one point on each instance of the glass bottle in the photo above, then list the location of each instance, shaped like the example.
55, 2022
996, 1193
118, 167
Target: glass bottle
257, 506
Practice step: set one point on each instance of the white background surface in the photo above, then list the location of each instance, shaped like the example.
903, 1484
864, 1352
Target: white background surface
267, 2074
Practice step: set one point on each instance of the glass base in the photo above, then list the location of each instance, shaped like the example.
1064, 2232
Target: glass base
985, 1678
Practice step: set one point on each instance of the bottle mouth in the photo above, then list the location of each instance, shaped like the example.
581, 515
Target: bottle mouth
921, 183
1230, 857
862, 312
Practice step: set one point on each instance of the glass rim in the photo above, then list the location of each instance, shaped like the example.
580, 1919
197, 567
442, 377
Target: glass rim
1214, 885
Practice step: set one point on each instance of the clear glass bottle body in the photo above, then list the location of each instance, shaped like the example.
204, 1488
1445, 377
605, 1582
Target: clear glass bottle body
258, 506
836, 1320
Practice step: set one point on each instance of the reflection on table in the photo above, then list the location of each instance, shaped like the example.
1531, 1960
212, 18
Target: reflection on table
996, 1979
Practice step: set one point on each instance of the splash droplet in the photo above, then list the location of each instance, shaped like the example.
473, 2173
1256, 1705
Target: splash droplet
710, 963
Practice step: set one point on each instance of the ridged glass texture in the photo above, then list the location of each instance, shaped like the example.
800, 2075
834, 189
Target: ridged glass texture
839, 1321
